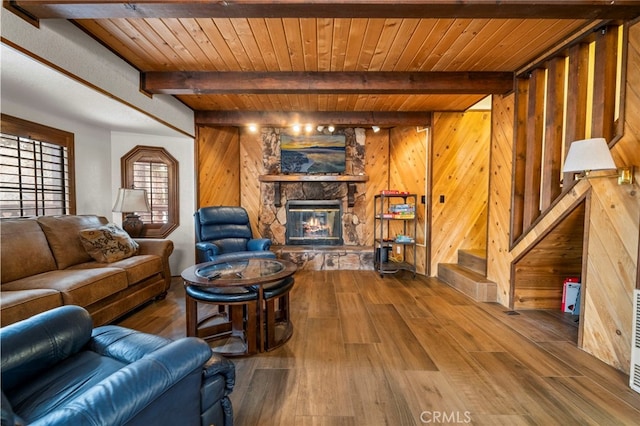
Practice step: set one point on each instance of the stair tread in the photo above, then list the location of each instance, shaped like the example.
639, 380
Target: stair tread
466, 272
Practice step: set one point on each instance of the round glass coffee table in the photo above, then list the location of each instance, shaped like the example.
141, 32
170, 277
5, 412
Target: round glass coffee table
239, 285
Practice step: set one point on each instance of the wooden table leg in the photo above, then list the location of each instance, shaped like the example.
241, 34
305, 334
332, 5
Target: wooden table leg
253, 327
260, 321
191, 308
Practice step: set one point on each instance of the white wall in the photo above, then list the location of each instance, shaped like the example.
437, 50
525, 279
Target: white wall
64, 45
181, 149
101, 79
92, 155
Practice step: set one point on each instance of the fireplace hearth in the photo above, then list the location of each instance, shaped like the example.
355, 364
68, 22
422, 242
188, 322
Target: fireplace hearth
314, 222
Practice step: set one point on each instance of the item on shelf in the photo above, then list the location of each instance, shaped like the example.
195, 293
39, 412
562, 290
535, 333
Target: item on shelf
404, 239
400, 208
398, 215
393, 192
401, 211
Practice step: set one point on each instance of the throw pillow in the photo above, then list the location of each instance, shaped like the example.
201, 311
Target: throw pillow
108, 243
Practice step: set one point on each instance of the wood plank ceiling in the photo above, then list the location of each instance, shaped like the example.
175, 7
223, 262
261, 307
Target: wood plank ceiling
357, 62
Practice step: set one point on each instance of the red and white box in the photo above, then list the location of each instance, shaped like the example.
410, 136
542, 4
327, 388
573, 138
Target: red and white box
571, 295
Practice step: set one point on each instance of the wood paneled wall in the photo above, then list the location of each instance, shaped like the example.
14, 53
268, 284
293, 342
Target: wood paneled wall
561, 83
408, 172
614, 230
612, 226
251, 166
539, 274
460, 170
500, 182
218, 174
376, 166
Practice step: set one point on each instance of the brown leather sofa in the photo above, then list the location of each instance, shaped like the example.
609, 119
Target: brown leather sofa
45, 265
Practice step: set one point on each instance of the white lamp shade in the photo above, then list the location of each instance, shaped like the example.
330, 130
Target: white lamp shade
588, 154
131, 200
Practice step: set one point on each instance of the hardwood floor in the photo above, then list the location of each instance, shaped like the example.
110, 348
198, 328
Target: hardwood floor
368, 350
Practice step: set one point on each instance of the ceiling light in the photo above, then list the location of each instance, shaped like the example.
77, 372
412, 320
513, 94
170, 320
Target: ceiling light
331, 128
308, 128
320, 129
375, 129
253, 128
296, 128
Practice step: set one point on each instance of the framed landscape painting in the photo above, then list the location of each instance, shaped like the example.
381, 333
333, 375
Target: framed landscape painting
312, 153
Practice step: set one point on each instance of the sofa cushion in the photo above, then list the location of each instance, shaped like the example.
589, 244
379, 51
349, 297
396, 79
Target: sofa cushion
20, 304
24, 250
64, 240
138, 268
108, 243
77, 287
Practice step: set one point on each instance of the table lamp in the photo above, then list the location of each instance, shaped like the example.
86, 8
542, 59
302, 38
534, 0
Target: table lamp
130, 201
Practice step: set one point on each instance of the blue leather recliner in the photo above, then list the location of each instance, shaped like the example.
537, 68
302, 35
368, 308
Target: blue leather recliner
223, 233
58, 370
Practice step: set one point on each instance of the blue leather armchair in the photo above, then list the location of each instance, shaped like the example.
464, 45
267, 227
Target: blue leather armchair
224, 234
58, 370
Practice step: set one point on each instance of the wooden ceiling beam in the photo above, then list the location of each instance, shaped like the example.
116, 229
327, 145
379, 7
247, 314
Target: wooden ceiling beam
498, 9
194, 83
325, 118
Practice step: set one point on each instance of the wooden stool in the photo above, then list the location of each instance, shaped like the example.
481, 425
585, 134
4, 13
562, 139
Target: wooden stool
278, 326
235, 319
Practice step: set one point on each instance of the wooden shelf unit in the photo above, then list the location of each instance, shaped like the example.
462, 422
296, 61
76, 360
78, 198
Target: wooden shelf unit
382, 239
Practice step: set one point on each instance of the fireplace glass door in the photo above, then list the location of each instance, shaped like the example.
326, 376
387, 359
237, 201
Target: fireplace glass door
314, 222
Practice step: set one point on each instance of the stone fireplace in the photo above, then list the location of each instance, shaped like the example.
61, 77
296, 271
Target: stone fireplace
314, 222
345, 193
276, 190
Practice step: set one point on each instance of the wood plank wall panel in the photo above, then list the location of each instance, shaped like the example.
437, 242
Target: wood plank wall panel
605, 64
534, 133
577, 89
612, 233
540, 273
251, 166
519, 157
407, 172
377, 168
460, 164
218, 167
553, 154
614, 229
500, 189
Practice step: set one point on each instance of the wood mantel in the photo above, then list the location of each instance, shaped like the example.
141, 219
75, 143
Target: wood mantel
313, 178
350, 180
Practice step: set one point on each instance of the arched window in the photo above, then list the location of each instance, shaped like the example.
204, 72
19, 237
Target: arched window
155, 170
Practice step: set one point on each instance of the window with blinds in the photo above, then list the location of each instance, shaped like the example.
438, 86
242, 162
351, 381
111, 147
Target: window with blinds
154, 178
36, 169
156, 171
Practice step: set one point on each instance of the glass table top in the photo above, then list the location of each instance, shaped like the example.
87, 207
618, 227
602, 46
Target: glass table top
249, 269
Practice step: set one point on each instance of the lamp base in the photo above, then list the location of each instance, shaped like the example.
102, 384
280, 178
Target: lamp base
133, 225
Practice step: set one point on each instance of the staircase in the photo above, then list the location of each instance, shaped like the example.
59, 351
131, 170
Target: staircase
469, 275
